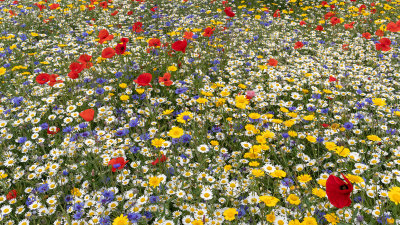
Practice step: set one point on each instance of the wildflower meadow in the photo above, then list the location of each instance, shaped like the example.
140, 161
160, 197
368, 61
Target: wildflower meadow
199, 112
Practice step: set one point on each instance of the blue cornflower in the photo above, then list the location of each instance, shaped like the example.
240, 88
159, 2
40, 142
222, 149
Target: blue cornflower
285, 135
185, 138
348, 125
22, 140
154, 199
105, 220
43, 188
44, 126
134, 217
100, 91
181, 90
82, 125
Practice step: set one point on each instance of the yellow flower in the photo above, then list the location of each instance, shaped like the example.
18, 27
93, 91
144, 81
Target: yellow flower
278, 173
227, 168
379, 101
254, 163
185, 116
230, 213
322, 182
175, 132
289, 123
269, 200
241, 101
242, 86
354, 178
121, 220
254, 116
330, 146
342, 151
311, 139
268, 134
197, 222
214, 143
123, 85
309, 117
224, 93
293, 199
167, 111
373, 138
258, 173
172, 68
124, 97
76, 192
201, 100
2, 70
394, 195
139, 90
304, 178
319, 192
292, 133
157, 142
271, 217
332, 218
309, 221
294, 222
154, 181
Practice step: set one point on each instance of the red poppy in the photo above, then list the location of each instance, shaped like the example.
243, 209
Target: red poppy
345, 47
53, 80
298, 44
87, 114
117, 163
114, 13
153, 9
124, 40
108, 52
144, 79
54, 6
349, 26
329, 15
373, 11
332, 79
154, 42
335, 20
105, 36
338, 191
188, 35
379, 33
228, 12
163, 158
393, 27
366, 35
272, 62
120, 49
137, 27
319, 28
179, 46
277, 13
42, 78
12, 194
208, 32
53, 130
165, 79
103, 4
324, 3
302, 23
76, 67
84, 58
325, 125
73, 75
383, 45
362, 7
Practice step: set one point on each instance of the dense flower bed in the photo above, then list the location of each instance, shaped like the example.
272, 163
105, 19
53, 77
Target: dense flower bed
199, 112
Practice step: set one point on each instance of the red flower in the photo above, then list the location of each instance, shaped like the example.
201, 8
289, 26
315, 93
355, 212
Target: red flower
120, 49
335, 20
319, 28
117, 163
384, 45
76, 67
208, 32
325, 125
163, 158
379, 33
349, 26
53, 80
393, 27
329, 15
298, 44
302, 23
188, 35
54, 6
366, 35
114, 13
137, 27
103, 4
144, 79
124, 40
53, 130
228, 12
272, 62
277, 13
42, 78
87, 114
154, 42
84, 58
105, 36
332, 79
12, 194
338, 191
73, 75
165, 79
179, 46
108, 52
324, 3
